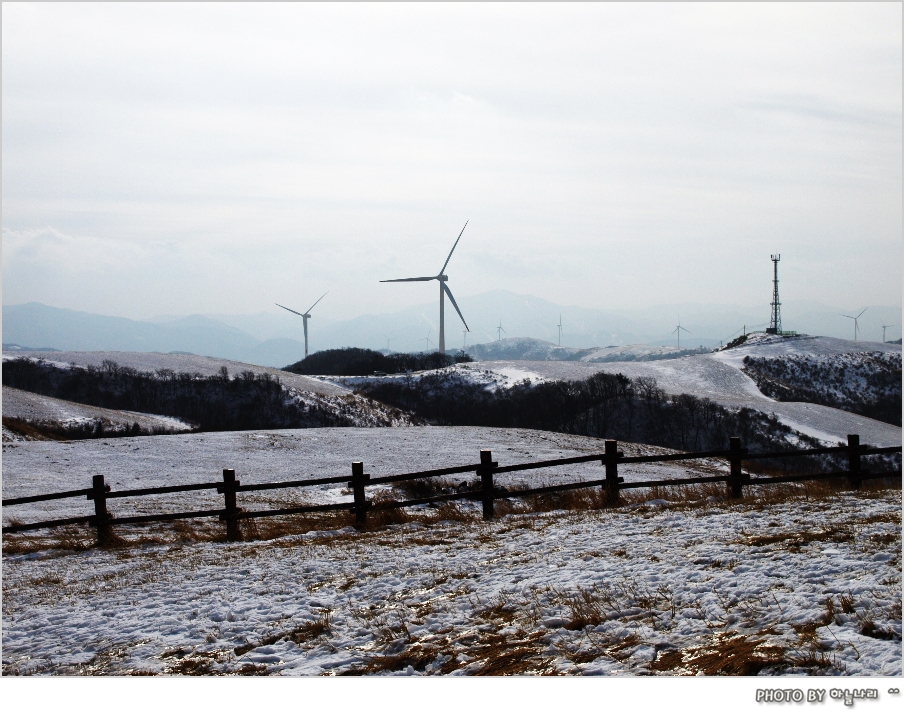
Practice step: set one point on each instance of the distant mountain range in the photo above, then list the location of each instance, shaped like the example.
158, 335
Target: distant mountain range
275, 338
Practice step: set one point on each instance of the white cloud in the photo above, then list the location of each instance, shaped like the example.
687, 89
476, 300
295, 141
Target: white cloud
625, 154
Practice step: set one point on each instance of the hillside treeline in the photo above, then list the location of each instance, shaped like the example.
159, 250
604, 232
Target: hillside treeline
360, 362
868, 384
604, 406
209, 403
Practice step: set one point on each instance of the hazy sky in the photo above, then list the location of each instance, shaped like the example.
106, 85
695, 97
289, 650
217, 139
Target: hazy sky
217, 158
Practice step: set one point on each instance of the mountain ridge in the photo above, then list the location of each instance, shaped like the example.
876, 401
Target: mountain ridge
35, 325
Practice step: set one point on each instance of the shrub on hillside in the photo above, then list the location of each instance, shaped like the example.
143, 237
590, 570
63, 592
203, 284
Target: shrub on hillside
360, 362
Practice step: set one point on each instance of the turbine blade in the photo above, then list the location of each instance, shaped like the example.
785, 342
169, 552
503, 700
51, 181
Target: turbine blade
290, 310
450, 253
851, 317
315, 303
862, 312
419, 278
452, 298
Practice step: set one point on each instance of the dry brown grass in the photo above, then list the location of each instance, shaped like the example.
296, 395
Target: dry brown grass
725, 654
698, 496
71, 538
299, 635
453, 513
378, 517
578, 499
200, 663
30, 432
488, 654
282, 526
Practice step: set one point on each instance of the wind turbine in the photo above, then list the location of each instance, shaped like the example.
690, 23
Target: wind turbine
388, 340
443, 292
856, 325
500, 330
884, 327
428, 341
560, 330
678, 330
305, 315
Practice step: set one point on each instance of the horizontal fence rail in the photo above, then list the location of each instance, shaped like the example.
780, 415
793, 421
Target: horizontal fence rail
99, 492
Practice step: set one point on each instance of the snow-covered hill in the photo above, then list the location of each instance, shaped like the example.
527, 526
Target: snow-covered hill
36, 408
865, 383
312, 393
534, 349
719, 376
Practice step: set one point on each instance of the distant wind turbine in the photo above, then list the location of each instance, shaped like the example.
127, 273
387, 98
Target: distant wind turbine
305, 316
678, 330
884, 328
428, 342
857, 325
443, 292
500, 330
560, 330
388, 340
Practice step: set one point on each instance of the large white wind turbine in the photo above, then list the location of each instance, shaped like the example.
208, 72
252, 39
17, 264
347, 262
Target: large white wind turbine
305, 315
678, 330
443, 292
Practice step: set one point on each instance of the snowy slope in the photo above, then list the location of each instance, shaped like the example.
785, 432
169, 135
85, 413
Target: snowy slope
534, 349
35, 407
806, 587
763, 345
718, 376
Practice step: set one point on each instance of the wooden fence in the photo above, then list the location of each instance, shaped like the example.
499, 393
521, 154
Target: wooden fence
612, 484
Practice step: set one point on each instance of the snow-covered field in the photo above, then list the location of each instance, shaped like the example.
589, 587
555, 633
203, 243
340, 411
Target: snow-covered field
35, 467
802, 587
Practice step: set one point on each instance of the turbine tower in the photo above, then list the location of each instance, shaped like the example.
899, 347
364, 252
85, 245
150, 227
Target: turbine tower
560, 330
857, 326
443, 292
775, 323
678, 330
884, 327
428, 341
305, 315
500, 330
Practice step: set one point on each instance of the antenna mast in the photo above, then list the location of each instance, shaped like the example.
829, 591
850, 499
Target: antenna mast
775, 322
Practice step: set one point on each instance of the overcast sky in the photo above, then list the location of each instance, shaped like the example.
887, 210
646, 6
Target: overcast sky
217, 158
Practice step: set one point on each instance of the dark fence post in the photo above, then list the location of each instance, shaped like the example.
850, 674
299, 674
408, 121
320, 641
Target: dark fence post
854, 460
359, 481
486, 482
612, 479
735, 478
232, 523
101, 516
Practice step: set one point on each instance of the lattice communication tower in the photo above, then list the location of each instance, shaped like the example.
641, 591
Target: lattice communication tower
775, 321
